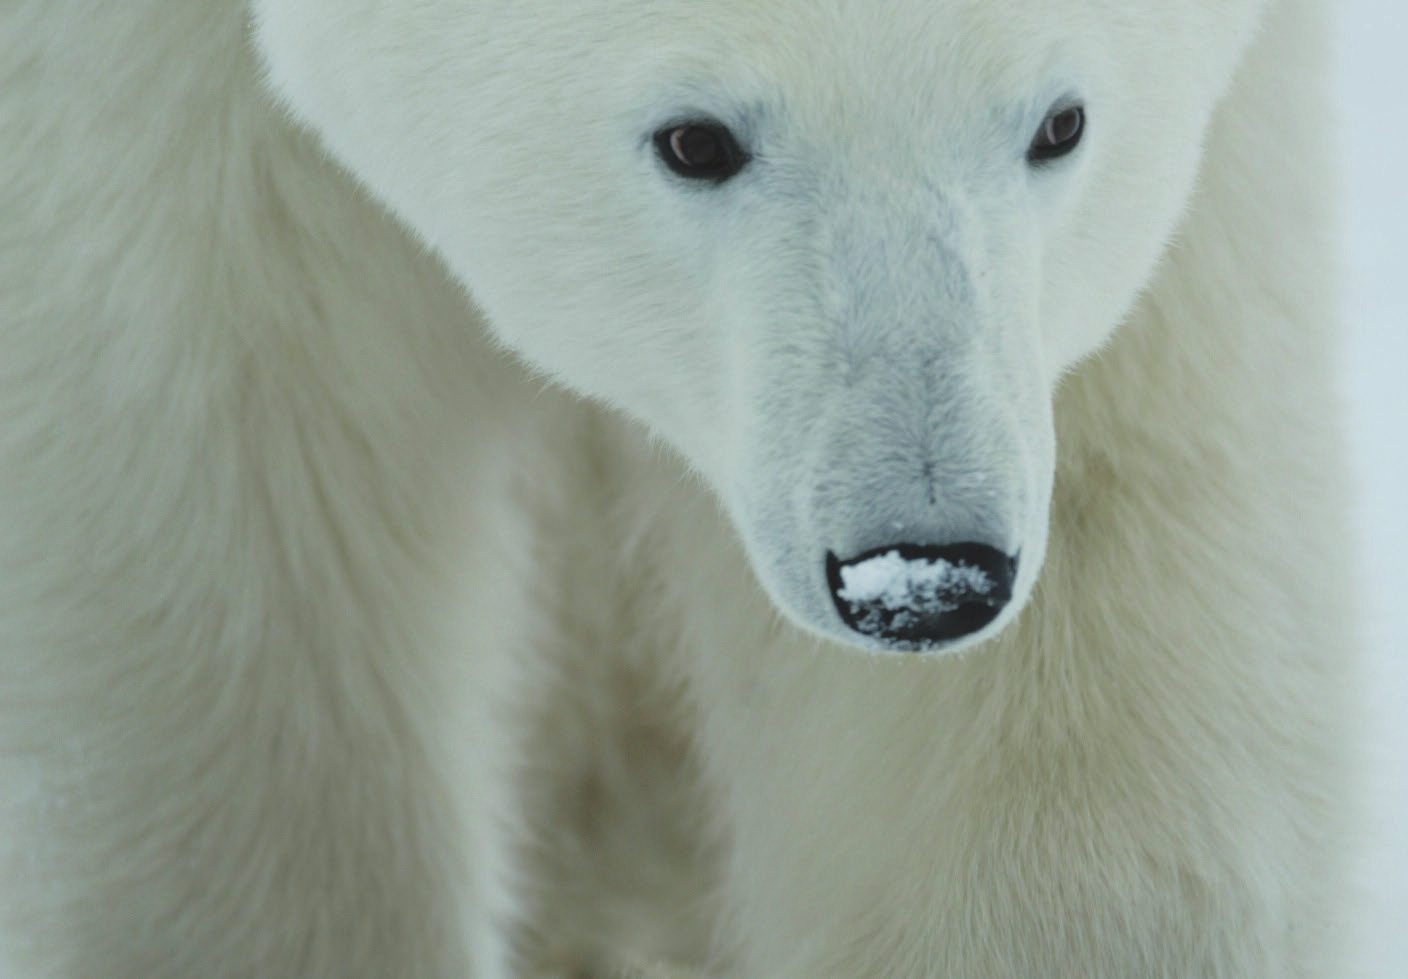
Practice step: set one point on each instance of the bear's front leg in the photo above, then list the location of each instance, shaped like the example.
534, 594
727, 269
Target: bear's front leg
273, 771
994, 815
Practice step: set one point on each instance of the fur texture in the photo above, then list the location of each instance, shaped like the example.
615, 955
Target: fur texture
336, 641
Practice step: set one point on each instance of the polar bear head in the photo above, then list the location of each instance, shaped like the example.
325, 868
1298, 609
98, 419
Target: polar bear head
837, 253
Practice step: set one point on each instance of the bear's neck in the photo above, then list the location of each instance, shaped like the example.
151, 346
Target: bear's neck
1223, 378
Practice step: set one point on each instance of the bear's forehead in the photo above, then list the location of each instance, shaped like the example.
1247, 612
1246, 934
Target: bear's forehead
928, 42
855, 69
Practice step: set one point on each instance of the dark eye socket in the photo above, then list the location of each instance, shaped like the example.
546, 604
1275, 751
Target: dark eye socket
700, 151
1060, 133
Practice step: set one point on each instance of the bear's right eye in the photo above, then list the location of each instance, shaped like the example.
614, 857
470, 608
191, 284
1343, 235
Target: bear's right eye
700, 151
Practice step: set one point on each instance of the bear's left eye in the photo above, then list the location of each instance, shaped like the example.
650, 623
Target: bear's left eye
1060, 133
700, 151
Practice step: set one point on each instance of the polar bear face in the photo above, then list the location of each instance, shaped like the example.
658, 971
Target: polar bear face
838, 254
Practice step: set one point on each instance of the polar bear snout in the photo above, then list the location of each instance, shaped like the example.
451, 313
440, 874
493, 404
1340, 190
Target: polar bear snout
917, 597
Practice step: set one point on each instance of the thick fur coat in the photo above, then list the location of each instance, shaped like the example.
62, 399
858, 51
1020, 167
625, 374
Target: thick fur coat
414, 495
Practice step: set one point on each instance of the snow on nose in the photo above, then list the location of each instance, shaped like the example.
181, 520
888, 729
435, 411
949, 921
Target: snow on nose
915, 597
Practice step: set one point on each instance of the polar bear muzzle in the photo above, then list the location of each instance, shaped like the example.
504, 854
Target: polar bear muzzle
917, 597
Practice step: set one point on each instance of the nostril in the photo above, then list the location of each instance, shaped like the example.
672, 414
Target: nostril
916, 596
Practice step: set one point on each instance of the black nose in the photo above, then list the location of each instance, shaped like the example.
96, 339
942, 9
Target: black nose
917, 596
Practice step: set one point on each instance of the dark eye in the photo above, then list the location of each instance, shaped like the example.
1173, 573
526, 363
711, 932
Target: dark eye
1060, 133
700, 151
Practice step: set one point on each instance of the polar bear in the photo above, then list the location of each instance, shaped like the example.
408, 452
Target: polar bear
823, 490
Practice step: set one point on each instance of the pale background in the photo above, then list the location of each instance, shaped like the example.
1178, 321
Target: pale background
1373, 130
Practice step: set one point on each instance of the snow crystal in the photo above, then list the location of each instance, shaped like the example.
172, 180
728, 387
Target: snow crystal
888, 590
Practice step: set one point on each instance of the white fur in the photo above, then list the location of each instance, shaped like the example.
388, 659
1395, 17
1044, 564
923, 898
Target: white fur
334, 641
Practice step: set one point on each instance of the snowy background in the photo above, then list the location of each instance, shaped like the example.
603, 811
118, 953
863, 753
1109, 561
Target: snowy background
1373, 89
